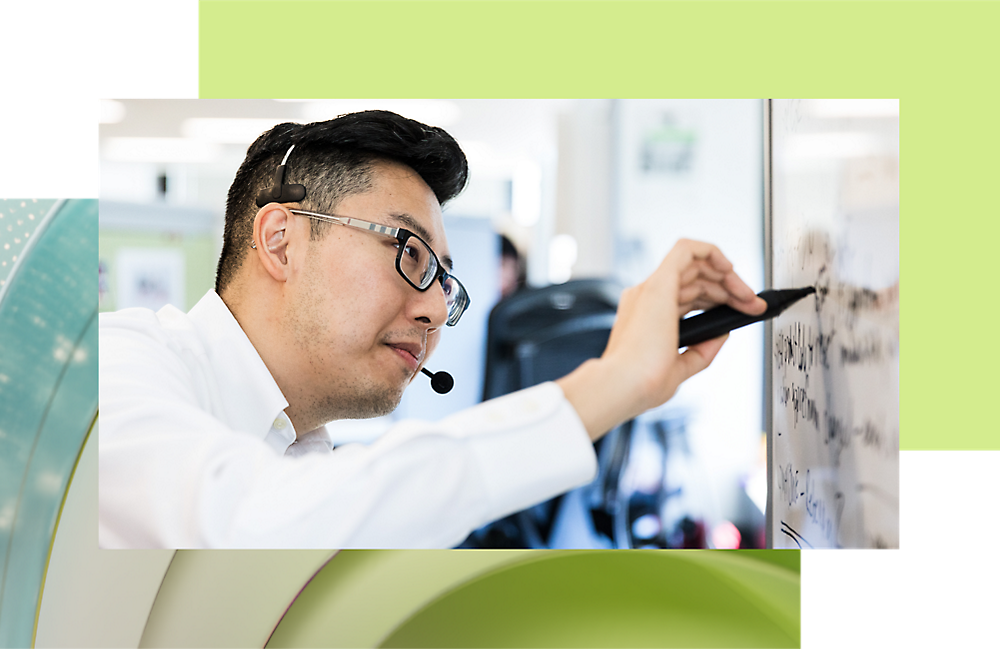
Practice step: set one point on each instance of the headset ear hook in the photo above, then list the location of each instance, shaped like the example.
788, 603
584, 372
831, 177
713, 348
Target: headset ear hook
279, 192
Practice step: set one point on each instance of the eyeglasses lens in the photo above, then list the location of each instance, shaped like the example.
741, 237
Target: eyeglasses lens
455, 298
416, 262
420, 266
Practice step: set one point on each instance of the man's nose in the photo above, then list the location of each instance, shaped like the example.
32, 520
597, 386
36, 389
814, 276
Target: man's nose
430, 306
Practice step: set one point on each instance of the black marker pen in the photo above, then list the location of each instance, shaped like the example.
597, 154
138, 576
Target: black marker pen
723, 319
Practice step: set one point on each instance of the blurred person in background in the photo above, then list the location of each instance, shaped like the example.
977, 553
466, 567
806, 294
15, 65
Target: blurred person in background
513, 270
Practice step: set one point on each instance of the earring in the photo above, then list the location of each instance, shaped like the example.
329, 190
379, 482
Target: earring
253, 245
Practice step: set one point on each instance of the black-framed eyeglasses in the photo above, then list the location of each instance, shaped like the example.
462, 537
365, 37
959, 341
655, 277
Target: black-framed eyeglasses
415, 261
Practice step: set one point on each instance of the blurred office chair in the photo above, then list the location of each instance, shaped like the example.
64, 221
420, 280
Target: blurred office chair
542, 334
539, 335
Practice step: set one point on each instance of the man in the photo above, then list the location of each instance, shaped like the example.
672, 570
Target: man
512, 270
333, 288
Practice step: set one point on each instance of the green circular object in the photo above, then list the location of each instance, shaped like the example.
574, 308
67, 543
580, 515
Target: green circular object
615, 599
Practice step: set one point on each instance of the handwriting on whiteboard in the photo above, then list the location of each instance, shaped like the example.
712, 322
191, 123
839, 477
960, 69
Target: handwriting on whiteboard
834, 356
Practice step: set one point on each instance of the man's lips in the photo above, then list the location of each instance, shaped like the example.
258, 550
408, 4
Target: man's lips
411, 353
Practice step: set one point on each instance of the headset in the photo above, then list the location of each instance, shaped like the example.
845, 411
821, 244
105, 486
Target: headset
281, 192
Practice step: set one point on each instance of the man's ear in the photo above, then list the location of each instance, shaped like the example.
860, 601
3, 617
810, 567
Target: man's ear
271, 240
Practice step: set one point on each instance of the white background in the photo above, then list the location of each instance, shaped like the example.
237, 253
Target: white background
59, 58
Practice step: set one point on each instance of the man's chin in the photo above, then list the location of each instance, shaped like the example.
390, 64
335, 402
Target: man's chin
374, 403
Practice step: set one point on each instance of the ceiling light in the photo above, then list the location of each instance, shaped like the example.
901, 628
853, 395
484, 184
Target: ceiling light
227, 130
159, 149
833, 108
112, 111
434, 112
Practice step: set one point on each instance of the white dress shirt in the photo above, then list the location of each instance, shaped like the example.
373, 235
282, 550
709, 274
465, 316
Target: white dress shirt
196, 451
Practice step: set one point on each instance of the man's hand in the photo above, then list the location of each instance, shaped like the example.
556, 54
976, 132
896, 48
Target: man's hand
641, 367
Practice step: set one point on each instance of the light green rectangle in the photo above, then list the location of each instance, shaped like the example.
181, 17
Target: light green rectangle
938, 58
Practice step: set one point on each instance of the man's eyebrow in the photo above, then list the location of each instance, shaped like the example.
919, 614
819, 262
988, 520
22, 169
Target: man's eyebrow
414, 226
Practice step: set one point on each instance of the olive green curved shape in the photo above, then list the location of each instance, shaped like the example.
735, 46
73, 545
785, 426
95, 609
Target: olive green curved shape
48, 398
360, 596
615, 599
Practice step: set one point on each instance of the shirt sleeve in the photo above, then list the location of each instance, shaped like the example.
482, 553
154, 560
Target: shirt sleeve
172, 475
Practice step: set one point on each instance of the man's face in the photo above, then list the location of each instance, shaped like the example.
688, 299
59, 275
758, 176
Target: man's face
363, 332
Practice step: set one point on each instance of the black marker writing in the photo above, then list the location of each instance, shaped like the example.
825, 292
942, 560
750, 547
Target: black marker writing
820, 512
869, 350
790, 531
861, 298
802, 405
788, 486
798, 348
838, 435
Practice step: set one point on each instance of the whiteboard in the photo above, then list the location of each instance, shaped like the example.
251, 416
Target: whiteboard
833, 223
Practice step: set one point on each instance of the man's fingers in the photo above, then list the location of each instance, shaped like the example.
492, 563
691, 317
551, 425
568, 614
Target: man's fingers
706, 252
697, 357
686, 252
705, 291
743, 297
698, 305
698, 261
753, 306
701, 269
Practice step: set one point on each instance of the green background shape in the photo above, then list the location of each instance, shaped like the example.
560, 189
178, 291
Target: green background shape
360, 596
615, 599
517, 598
48, 399
938, 58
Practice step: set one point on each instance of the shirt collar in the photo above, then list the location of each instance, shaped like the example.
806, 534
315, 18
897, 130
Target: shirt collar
251, 399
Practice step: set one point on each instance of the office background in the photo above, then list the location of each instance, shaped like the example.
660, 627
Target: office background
594, 188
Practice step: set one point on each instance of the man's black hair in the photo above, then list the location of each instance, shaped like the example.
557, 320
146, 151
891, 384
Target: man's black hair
335, 159
508, 249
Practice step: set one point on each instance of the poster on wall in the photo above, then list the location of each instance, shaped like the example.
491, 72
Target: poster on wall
150, 277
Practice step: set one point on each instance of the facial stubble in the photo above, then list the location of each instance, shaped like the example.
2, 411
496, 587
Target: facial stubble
349, 394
